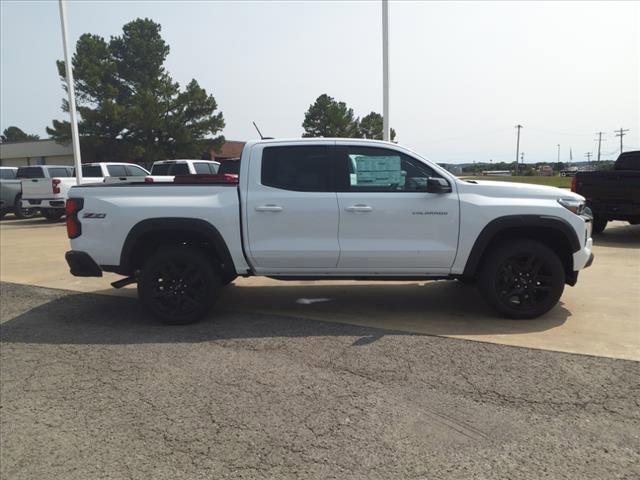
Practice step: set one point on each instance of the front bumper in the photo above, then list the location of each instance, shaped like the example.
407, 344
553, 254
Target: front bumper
583, 258
82, 265
43, 203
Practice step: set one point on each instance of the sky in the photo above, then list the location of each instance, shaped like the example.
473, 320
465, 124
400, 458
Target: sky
462, 74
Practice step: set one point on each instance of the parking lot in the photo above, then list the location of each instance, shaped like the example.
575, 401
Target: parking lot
316, 380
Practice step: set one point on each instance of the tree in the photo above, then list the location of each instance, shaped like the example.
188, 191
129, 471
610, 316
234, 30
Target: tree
128, 104
371, 127
330, 118
15, 134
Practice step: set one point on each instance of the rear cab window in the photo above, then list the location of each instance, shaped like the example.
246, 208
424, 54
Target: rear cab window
7, 174
30, 172
299, 168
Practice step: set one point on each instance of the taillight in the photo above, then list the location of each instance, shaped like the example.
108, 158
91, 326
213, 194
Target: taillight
55, 184
74, 205
573, 184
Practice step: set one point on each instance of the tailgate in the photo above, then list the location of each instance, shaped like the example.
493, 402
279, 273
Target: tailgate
610, 187
37, 188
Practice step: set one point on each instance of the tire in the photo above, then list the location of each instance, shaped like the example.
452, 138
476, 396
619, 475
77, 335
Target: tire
52, 213
178, 285
20, 212
599, 224
522, 279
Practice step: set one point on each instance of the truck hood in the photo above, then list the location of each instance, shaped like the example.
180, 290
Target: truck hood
516, 190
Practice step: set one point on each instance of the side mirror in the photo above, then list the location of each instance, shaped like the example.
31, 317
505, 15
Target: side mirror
438, 185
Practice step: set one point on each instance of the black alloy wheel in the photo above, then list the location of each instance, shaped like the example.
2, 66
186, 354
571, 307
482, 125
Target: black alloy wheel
522, 279
179, 285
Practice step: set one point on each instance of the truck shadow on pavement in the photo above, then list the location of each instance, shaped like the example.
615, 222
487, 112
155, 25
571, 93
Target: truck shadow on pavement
368, 311
619, 236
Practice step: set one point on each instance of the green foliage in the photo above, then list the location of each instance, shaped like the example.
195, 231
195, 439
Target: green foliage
371, 127
329, 118
15, 134
130, 108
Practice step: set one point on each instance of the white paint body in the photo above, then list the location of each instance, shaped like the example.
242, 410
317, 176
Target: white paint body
275, 232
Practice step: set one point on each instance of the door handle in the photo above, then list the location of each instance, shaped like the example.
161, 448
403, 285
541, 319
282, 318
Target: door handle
359, 208
269, 208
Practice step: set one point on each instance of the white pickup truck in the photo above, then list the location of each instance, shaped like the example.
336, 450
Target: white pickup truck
45, 187
166, 170
330, 209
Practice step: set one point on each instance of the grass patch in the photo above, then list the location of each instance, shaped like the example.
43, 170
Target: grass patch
561, 182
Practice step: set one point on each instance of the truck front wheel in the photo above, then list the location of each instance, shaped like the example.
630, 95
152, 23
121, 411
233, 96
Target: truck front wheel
522, 279
179, 285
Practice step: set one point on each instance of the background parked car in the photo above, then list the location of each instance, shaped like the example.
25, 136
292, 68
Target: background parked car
11, 194
166, 170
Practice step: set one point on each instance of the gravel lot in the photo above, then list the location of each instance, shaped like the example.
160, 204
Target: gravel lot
92, 388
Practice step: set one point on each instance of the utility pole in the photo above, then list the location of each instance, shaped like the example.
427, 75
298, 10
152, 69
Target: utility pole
75, 138
522, 160
385, 71
621, 133
558, 159
599, 143
518, 148
588, 155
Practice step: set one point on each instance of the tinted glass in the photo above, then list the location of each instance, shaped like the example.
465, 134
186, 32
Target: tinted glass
91, 171
116, 170
135, 171
229, 166
370, 169
306, 169
60, 172
7, 174
202, 168
160, 169
30, 172
179, 169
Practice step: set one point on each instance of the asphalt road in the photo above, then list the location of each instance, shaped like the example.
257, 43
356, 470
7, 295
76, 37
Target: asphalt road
92, 388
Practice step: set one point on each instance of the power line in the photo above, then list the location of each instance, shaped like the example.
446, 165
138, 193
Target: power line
621, 133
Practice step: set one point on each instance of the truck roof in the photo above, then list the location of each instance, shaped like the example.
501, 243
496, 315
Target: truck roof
179, 160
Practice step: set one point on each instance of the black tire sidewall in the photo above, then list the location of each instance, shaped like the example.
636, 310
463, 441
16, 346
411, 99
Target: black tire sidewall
52, 214
498, 255
18, 211
189, 255
599, 224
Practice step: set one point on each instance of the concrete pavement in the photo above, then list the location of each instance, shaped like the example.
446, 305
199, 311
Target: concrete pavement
600, 316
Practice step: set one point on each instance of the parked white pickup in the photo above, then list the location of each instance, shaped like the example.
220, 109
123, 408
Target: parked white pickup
327, 209
166, 170
46, 187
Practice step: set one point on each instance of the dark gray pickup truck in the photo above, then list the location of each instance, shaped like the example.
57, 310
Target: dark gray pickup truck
612, 194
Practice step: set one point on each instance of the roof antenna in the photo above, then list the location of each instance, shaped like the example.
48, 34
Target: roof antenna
259, 133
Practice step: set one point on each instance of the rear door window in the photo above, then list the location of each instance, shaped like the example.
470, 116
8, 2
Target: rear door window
117, 170
202, 167
91, 171
179, 169
135, 171
299, 168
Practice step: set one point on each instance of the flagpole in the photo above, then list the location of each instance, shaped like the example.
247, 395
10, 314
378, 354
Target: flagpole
385, 70
75, 138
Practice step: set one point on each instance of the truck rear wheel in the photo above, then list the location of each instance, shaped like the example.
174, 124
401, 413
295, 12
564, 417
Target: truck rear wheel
178, 285
52, 213
20, 212
522, 279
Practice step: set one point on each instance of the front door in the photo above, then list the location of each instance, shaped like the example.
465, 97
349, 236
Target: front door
388, 222
292, 209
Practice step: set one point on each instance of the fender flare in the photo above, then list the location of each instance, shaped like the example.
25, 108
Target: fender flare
507, 222
193, 225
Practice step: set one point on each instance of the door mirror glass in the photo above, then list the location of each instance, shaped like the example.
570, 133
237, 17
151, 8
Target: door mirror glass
438, 185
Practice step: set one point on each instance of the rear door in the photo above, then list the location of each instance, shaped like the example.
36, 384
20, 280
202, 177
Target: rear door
291, 209
388, 222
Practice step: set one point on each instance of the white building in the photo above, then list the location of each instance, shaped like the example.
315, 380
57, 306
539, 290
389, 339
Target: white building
35, 152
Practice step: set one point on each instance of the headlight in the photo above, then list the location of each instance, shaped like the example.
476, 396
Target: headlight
573, 205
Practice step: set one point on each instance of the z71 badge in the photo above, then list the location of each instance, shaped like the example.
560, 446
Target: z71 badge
94, 215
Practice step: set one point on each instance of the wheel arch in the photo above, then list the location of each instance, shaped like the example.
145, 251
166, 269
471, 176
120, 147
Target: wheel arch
554, 232
148, 235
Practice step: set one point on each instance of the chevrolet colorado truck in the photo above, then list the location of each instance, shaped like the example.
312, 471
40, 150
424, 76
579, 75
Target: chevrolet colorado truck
46, 187
329, 209
612, 194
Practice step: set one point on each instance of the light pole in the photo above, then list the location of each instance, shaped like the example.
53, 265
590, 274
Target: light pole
558, 159
518, 148
385, 71
75, 138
